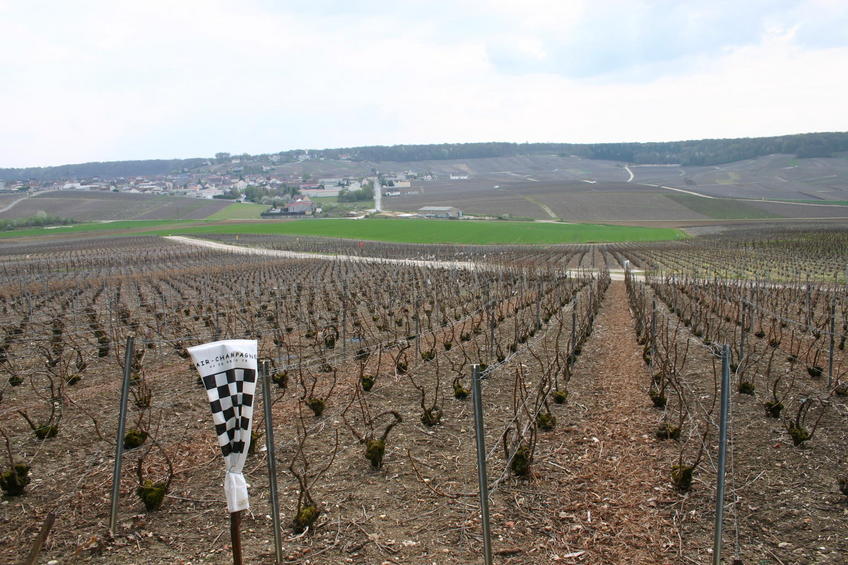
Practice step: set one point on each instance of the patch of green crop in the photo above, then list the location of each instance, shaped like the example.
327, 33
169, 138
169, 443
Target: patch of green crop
440, 231
721, 208
239, 211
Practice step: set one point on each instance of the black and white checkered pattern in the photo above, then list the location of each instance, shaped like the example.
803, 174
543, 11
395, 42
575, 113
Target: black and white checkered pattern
231, 399
228, 371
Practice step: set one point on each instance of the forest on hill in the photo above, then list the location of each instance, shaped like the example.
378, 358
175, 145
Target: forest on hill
694, 153
104, 170
688, 153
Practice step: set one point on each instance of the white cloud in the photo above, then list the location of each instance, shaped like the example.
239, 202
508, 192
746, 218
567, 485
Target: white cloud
113, 80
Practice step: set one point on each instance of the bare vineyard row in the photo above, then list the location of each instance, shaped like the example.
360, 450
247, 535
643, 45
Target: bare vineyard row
336, 333
769, 254
779, 339
371, 366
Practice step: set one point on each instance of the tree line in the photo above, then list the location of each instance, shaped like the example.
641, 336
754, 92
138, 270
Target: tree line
103, 170
692, 153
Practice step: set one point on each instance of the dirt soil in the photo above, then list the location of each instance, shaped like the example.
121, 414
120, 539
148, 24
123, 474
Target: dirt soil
599, 492
783, 503
615, 496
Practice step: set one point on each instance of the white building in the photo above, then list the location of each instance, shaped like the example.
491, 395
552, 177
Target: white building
440, 212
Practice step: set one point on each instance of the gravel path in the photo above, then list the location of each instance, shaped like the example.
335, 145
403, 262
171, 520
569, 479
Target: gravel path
300, 255
615, 274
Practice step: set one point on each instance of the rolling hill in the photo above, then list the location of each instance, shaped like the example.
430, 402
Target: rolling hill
93, 206
701, 152
564, 182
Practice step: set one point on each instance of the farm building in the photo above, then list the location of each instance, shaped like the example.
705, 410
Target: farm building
440, 212
302, 207
327, 183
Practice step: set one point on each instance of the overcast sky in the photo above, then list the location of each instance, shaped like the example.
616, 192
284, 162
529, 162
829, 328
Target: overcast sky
108, 80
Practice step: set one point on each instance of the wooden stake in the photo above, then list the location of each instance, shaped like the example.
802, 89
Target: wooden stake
235, 536
39, 541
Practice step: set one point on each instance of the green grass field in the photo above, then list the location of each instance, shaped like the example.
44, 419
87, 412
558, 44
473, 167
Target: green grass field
333, 208
239, 211
403, 231
443, 231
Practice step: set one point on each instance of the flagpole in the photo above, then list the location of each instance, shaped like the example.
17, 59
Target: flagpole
228, 369
235, 536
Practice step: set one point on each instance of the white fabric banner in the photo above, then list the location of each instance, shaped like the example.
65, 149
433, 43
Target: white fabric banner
228, 371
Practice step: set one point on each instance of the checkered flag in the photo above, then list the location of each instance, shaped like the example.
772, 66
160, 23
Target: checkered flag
228, 371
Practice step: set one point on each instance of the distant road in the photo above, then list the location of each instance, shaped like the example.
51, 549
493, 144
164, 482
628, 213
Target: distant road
465, 265
688, 192
679, 190
615, 274
822, 205
378, 195
11, 205
545, 208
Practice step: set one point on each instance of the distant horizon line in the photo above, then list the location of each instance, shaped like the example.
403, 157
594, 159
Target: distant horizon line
353, 147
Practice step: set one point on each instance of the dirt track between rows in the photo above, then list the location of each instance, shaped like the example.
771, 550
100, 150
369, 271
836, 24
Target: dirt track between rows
619, 488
